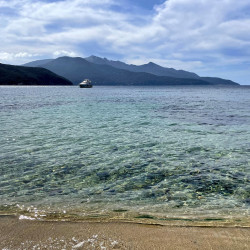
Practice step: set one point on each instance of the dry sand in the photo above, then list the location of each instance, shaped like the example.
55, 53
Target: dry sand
25, 234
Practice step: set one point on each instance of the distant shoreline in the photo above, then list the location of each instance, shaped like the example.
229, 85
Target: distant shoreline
111, 85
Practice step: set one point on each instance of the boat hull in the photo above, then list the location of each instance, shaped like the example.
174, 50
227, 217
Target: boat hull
86, 86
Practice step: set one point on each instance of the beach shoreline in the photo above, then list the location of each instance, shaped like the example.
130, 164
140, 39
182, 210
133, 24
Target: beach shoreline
33, 234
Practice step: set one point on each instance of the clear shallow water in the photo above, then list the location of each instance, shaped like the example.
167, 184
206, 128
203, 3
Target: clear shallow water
123, 152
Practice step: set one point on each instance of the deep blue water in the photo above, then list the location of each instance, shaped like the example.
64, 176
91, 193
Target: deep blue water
159, 150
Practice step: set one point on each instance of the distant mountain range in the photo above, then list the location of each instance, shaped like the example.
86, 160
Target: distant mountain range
107, 72
20, 75
151, 68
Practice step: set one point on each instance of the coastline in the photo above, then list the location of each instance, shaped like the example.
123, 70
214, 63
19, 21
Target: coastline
125, 214
33, 234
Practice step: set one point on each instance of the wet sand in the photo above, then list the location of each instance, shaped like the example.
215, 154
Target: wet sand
26, 234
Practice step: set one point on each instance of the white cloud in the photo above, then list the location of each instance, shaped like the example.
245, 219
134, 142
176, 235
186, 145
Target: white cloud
4, 56
9, 57
64, 53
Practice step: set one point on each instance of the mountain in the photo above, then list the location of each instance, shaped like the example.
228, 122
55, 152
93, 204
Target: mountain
158, 70
37, 63
20, 75
76, 69
151, 68
107, 72
218, 81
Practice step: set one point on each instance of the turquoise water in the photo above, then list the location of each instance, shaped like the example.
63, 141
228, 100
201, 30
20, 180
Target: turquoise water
150, 152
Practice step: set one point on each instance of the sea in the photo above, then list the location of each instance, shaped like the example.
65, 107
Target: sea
160, 155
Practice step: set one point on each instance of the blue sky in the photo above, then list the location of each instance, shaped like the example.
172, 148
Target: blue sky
209, 37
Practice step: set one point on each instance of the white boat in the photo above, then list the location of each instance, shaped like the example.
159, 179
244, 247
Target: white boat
86, 84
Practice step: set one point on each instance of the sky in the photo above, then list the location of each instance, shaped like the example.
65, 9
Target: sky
208, 37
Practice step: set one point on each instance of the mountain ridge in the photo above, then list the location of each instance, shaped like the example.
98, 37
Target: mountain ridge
107, 72
21, 75
76, 69
150, 67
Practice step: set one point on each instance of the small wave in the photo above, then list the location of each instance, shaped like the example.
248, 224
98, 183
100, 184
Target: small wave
24, 217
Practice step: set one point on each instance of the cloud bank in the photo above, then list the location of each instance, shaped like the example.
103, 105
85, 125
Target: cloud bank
209, 37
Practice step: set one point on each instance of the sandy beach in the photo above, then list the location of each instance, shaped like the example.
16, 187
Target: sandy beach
26, 234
